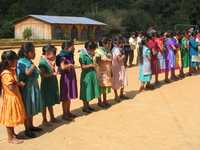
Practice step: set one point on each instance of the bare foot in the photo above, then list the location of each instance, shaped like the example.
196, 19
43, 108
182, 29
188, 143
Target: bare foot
141, 89
15, 141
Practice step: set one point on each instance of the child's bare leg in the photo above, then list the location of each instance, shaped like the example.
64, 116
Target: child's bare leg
64, 106
167, 76
141, 87
116, 96
51, 113
44, 115
156, 78
99, 100
104, 98
122, 95
13, 132
121, 92
69, 114
11, 137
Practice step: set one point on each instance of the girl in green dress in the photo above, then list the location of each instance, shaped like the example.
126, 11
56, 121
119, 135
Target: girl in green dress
49, 82
89, 88
184, 54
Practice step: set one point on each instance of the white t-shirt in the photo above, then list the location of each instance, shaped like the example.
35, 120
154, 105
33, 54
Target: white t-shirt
132, 41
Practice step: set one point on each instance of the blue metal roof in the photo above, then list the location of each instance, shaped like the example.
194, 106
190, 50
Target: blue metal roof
67, 20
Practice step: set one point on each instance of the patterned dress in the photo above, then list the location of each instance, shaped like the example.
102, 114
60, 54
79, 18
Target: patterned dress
104, 70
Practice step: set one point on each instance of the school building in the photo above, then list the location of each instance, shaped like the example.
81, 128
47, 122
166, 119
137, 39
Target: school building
59, 27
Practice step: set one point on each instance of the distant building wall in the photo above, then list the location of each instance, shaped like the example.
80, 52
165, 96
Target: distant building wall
40, 30
43, 30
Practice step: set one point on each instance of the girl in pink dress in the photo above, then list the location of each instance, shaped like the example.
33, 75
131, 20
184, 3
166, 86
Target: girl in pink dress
119, 80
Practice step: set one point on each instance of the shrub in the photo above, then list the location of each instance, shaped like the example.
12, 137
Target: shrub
27, 33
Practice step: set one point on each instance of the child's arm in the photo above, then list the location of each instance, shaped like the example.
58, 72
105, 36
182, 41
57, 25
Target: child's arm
21, 84
66, 66
43, 72
16, 84
29, 71
83, 66
120, 58
107, 60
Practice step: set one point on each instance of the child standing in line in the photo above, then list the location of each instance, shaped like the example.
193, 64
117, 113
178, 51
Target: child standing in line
193, 52
119, 79
12, 112
49, 82
145, 73
184, 53
170, 58
151, 44
89, 88
28, 73
104, 73
161, 56
68, 82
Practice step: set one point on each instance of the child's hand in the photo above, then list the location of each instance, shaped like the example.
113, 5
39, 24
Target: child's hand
71, 66
21, 84
93, 66
33, 67
55, 74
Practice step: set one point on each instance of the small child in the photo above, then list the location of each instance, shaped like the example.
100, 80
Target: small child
12, 111
28, 73
49, 82
68, 82
89, 88
145, 73
104, 73
119, 79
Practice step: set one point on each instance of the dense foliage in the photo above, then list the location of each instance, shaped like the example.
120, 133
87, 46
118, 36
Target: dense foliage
120, 15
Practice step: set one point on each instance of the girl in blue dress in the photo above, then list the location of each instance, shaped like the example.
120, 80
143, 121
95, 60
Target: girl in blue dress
145, 73
28, 73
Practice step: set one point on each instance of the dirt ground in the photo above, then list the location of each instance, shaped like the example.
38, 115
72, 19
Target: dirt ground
166, 118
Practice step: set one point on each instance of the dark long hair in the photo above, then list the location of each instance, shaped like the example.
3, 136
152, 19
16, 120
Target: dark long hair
67, 44
90, 45
25, 48
48, 47
6, 58
140, 54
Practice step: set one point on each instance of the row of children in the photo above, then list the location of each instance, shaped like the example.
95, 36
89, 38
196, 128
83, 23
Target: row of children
165, 53
102, 69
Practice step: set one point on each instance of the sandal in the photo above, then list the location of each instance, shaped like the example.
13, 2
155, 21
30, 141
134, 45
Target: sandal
30, 134
86, 110
36, 129
124, 97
